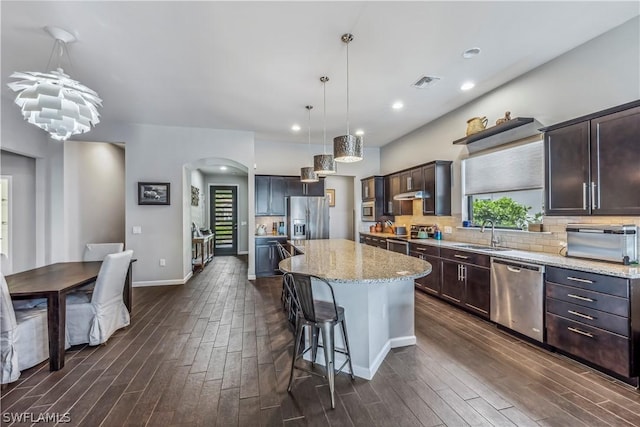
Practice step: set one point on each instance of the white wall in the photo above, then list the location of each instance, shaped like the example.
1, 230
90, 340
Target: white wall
599, 74
94, 195
341, 216
241, 182
23, 209
159, 154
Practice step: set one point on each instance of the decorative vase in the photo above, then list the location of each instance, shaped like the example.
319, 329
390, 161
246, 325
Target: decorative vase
476, 124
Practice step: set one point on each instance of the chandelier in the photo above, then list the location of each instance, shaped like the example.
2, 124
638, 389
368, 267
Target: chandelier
53, 101
324, 164
347, 148
306, 173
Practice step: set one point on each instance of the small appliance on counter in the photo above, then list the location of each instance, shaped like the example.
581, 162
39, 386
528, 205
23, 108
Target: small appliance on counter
613, 243
423, 231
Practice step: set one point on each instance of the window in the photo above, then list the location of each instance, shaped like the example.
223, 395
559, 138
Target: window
505, 186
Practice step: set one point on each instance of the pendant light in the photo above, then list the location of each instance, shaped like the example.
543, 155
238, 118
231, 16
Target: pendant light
306, 173
53, 101
347, 148
324, 164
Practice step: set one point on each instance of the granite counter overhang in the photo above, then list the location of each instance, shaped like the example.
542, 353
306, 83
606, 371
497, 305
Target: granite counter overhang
611, 269
340, 260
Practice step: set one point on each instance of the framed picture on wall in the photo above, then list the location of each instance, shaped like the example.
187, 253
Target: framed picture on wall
331, 196
154, 193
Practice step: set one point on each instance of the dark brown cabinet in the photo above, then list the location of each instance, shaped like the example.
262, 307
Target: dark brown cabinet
437, 184
297, 188
373, 189
431, 283
466, 280
379, 242
411, 180
590, 316
591, 164
267, 256
392, 185
269, 195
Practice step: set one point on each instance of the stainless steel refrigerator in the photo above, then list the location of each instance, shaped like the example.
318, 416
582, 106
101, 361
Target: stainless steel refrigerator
307, 218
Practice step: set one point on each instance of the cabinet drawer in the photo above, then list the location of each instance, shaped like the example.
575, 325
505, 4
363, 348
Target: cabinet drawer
591, 281
602, 348
589, 316
590, 299
425, 249
467, 257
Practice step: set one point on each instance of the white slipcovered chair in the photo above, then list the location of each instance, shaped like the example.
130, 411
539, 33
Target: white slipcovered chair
97, 252
94, 318
24, 338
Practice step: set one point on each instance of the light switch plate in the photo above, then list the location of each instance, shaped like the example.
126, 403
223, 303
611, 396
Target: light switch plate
137, 229
447, 229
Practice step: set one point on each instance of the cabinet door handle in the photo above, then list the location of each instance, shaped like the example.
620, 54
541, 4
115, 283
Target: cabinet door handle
578, 331
461, 256
584, 196
593, 195
464, 273
577, 279
584, 316
459, 275
580, 298
420, 249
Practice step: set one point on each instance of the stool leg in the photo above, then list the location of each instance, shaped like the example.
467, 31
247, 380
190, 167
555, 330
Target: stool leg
346, 345
296, 346
314, 344
329, 354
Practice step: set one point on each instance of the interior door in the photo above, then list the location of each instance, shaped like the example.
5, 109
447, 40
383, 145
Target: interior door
224, 219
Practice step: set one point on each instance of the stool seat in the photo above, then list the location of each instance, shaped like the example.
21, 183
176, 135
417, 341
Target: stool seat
320, 317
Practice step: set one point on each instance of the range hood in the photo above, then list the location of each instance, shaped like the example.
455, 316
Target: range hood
412, 195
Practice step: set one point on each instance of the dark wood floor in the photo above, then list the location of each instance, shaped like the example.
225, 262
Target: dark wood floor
216, 351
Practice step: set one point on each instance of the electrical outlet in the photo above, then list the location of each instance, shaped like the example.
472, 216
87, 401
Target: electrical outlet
562, 244
163, 262
447, 229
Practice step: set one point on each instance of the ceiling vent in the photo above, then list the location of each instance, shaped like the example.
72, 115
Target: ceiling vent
425, 81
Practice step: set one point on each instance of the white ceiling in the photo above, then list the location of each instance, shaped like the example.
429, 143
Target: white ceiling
255, 65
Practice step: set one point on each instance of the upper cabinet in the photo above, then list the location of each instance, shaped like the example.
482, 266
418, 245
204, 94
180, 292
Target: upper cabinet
437, 184
271, 190
433, 178
592, 164
372, 189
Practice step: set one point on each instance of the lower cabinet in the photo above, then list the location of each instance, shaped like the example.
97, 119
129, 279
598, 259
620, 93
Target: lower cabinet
267, 256
466, 280
431, 283
379, 242
590, 316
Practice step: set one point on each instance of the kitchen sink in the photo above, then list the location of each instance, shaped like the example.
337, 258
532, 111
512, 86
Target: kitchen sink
482, 247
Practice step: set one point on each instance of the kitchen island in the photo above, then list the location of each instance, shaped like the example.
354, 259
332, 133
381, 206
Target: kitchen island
376, 289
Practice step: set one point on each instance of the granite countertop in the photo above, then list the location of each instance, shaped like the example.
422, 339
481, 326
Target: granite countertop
269, 236
341, 260
626, 271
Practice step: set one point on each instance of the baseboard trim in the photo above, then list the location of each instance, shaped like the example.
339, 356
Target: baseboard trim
251, 277
243, 252
143, 284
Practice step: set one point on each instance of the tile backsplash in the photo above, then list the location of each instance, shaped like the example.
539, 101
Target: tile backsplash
552, 239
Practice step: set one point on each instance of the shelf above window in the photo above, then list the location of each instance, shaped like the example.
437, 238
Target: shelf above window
512, 130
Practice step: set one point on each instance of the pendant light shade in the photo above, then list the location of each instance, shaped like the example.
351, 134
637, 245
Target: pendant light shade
324, 164
348, 148
306, 173
53, 101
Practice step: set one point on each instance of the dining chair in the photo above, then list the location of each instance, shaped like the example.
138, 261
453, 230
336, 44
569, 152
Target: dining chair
320, 317
94, 318
24, 338
97, 252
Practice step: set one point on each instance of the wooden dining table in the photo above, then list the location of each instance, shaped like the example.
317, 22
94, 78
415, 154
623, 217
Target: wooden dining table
54, 282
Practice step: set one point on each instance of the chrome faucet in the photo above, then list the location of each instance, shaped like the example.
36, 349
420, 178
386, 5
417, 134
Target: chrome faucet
494, 239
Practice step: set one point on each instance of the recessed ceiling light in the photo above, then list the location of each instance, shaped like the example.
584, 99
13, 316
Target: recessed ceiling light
223, 168
295, 128
359, 132
397, 105
425, 81
467, 86
470, 53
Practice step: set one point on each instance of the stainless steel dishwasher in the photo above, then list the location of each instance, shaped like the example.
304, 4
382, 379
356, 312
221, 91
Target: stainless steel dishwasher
517, 296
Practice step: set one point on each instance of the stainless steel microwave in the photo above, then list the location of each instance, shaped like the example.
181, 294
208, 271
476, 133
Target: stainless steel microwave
368, 211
